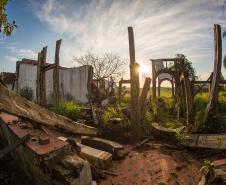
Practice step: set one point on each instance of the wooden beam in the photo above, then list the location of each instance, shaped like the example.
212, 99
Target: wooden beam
135, 88
43, 77
213, 97
208, 82
144, 93
166, 59
49, 67
188, 99
38, 114
56, 85
38, 86
125, 81
153, 81
17, 75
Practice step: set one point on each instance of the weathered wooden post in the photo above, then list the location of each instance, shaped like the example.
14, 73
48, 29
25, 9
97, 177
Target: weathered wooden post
134, 77
153, 80
213, 97
56, 85
43, 77
159, 84
120, 90
188, 98
144, 93
41, 85
38, 84
172, 88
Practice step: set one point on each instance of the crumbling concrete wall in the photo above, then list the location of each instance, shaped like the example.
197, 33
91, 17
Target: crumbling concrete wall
74, 82
27, 75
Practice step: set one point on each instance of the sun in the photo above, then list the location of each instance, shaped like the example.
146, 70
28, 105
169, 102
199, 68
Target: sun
144, 69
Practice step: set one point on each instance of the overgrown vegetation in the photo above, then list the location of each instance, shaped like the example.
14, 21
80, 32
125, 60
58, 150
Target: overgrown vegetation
217, 119
108, 114
68, 109
26, 92
186, 67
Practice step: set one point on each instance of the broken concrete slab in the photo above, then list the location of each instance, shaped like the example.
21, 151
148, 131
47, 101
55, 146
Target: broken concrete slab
102, 144
214, 141
165, 133
41, 161
17, 105
98, 158
70, 168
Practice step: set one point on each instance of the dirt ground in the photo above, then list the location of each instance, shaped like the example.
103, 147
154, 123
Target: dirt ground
156, 164
153, 164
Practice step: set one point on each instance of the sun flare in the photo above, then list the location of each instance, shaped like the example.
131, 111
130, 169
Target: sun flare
144, 69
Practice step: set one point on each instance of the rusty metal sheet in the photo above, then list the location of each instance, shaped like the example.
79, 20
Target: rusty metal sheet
14, 123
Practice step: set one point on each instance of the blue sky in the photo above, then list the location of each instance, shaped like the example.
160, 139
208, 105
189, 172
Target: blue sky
162, 28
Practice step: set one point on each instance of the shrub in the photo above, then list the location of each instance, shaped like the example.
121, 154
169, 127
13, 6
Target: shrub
201, 101
109, 113
147, 118
126, 98
174, 123
26, 92
68, 109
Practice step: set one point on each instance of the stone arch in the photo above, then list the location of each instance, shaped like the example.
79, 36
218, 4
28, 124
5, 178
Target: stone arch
165, 79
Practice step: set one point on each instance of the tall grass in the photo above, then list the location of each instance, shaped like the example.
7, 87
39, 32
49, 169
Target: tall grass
68, 109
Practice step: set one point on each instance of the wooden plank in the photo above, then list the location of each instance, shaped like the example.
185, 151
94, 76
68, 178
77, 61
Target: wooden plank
214, 141
56, 85
144, 93
49, 67
213, 97
39, 114
135, 88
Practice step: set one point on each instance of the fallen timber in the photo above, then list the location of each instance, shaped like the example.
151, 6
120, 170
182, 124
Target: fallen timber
15, 104
209, 141
44, 158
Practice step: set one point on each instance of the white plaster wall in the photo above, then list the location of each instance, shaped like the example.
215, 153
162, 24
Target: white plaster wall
73, 84
49, 86
27, 77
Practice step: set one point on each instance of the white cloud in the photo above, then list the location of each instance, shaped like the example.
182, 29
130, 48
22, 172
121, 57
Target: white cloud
11, 59
26, 53
20, 53
161, 28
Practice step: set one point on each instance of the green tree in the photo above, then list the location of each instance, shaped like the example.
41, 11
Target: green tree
186, 67
5, 27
